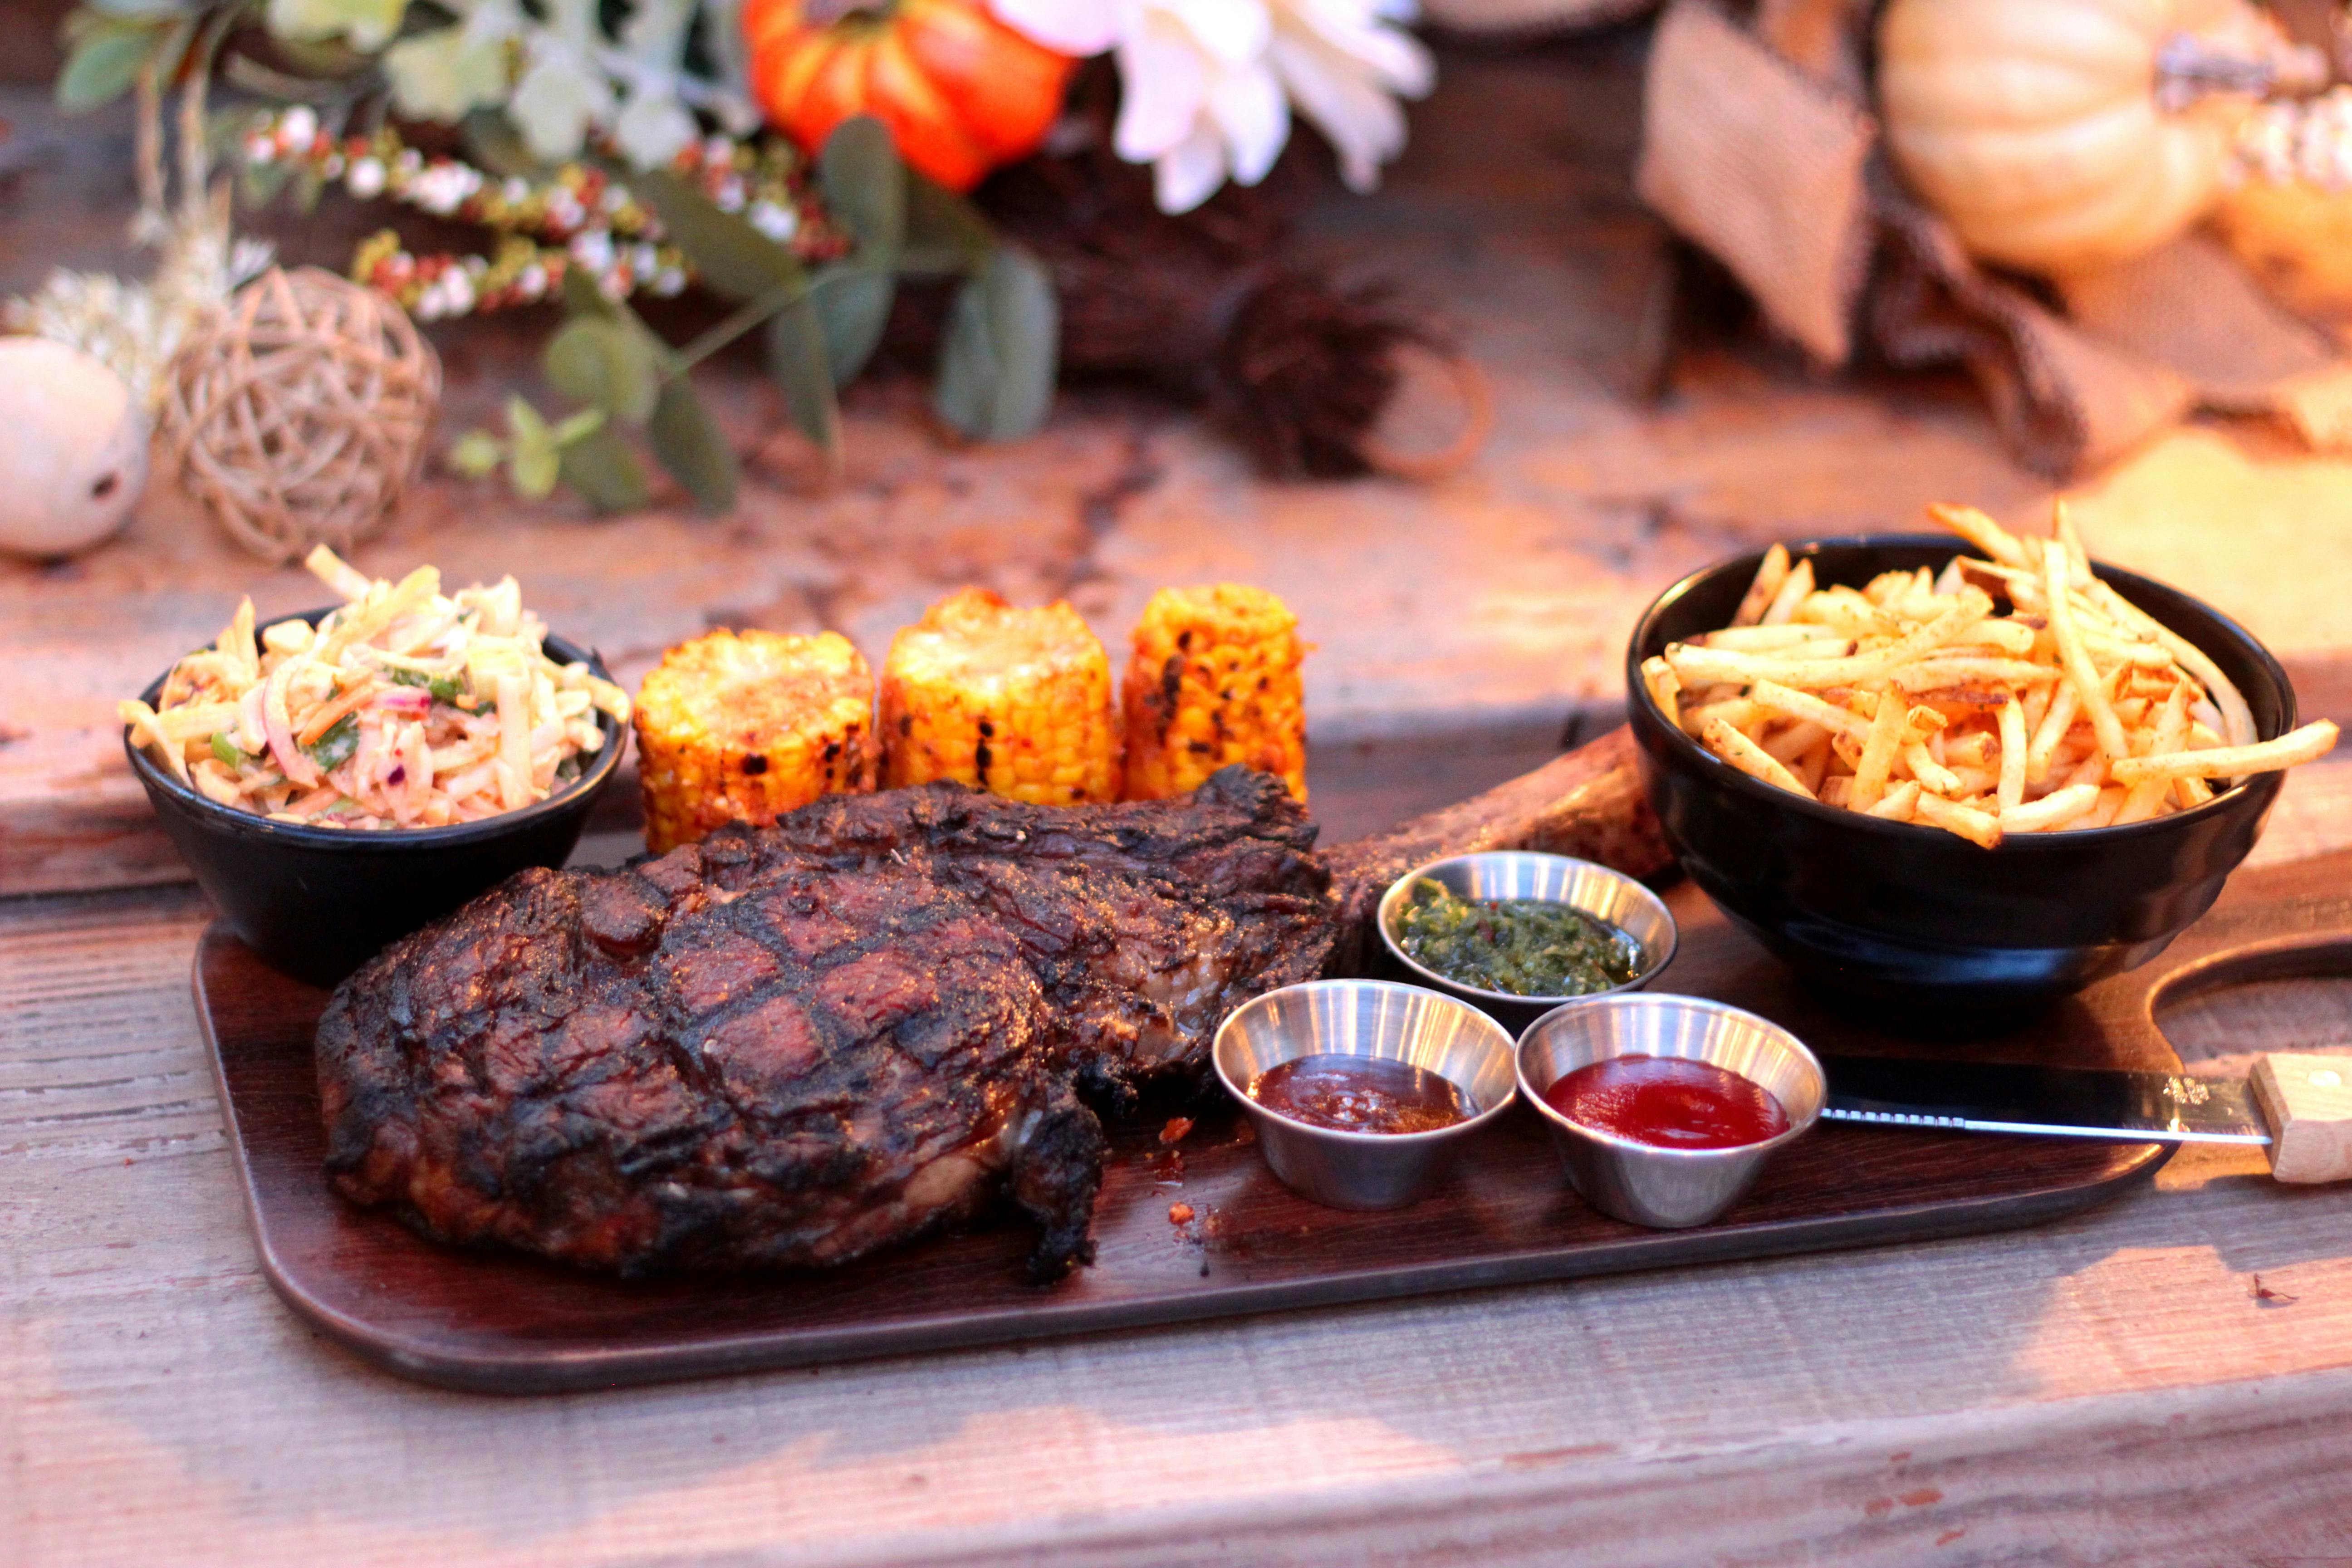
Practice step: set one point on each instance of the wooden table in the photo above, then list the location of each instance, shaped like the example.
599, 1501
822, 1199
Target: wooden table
2167, 1380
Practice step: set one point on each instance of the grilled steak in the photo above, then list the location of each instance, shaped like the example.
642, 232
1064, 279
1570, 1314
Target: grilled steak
793, 1046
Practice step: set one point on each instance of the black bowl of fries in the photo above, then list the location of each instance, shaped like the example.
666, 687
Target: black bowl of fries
318, 897
1891, 761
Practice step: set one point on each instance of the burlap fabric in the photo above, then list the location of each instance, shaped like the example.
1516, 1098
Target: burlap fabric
1766, 157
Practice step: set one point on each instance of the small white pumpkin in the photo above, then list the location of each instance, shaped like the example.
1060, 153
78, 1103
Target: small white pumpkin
2062, 135
73, 449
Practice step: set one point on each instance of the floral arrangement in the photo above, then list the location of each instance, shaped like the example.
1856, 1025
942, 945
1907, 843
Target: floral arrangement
610, 151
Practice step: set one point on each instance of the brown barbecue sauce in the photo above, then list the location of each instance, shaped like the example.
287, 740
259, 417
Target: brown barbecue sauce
1360, 1094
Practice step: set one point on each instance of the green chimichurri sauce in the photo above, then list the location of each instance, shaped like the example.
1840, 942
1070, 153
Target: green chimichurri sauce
1523, 947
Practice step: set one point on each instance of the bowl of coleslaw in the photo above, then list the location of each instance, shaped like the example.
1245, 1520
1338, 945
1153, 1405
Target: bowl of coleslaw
336, 779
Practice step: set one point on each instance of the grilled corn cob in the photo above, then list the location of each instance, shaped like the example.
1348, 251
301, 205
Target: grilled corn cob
1214, 680
1016, 701
742, 728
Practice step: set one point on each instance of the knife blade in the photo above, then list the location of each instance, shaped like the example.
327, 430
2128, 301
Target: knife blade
2051, 1102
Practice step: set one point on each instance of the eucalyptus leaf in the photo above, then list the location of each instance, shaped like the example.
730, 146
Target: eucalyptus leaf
604, 364
734, 259
494, 145
532, 461
692, 447
576, 427
583, 298
864, 186
998, 360
601, 466
853, 307
947, 230
797, 361
105, 63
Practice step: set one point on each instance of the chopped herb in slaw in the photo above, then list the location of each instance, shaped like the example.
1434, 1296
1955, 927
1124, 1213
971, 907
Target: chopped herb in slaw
403, 709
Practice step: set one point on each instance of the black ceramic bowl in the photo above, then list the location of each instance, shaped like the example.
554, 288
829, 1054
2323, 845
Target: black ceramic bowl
1892, 911
318, 903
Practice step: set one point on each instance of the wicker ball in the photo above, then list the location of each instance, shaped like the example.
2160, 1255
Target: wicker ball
300, 414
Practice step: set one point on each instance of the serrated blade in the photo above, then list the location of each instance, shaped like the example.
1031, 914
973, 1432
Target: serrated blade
2058, 1102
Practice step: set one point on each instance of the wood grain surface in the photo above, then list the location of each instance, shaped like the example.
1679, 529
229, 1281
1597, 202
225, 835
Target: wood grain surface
2165, 1380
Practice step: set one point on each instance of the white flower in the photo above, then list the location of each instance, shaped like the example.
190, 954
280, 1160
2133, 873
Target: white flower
1207, 86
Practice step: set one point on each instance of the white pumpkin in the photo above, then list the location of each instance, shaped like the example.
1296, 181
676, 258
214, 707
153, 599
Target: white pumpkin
73, 449
2037, 127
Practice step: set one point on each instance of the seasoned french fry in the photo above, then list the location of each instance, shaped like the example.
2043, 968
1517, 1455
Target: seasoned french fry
2088, 688
2142, 799
1898, 803
1665, 689
1792, 593
1887, 728
1794, 741
1931, 773
2059, 808
2061, 529
2014, 752
1772, 639
1765, 588
1978, 827
2313, 741
1982, 531
1803, 705
1751, 758
2238, 720
2064, 703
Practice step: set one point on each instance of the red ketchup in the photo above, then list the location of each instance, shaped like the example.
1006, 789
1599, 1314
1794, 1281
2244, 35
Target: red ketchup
1669, 1103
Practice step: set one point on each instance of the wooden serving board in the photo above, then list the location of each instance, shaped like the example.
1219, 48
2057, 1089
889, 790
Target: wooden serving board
502, 1323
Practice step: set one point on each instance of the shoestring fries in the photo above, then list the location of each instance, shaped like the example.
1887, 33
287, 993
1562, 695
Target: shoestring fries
1915, 699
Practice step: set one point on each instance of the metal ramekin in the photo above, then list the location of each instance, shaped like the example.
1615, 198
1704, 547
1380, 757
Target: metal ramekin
1670, 1189
1366, 1018
1605, 895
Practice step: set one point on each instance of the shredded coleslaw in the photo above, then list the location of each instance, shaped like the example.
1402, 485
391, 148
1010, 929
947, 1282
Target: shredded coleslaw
403, 709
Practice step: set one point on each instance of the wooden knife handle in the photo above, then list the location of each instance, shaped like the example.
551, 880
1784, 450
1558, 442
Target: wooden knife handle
2307, 1100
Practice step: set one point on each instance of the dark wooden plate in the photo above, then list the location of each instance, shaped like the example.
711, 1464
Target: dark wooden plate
508, 1323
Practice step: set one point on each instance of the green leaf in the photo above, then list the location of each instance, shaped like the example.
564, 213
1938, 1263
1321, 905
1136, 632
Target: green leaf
997, 364
225, 749
496, 147
476, 454
105, 63
442, 688
691, 447
578, 427
864, 186
947, 230
796, 358
583, 298
334, 748
532, 461
601, 466
853, 307
734, 259
603, 363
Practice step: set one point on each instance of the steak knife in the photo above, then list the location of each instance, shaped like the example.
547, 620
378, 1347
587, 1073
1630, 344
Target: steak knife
2297, 1106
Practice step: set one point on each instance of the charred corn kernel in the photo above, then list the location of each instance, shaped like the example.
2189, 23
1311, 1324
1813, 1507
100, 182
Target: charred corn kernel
1214, 681
742, 728
1016, 701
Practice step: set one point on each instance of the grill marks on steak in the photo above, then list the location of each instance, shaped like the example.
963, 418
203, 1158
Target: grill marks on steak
794, 1045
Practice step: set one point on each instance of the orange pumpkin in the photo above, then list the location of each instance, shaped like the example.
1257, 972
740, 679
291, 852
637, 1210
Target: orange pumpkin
960, 92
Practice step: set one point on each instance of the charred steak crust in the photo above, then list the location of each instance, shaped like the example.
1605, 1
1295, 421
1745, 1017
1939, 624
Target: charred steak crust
793, 1046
